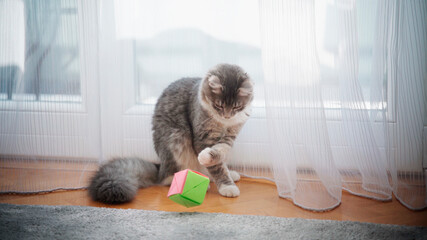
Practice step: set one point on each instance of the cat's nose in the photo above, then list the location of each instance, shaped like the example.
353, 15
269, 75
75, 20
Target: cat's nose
227, 114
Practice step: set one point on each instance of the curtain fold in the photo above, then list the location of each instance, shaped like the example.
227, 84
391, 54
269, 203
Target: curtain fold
303, 164
340, 90
370, 168
403, 57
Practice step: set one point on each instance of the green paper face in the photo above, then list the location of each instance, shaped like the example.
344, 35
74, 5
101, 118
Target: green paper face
194, 190
183, 201
195, 187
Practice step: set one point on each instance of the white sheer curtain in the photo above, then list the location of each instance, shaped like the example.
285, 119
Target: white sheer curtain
340, 89
49, 111
345, 99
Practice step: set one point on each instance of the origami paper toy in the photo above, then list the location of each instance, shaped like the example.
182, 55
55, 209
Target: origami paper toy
188, 188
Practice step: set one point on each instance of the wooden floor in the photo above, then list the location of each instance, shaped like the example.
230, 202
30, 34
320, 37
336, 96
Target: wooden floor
258, 197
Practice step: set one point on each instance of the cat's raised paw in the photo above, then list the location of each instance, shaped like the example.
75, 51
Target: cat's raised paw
229, 191
205, 157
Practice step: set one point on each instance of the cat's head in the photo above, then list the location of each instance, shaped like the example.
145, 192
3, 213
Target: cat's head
228, 90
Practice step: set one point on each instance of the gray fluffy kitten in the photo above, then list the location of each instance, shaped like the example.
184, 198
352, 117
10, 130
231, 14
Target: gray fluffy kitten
195, 123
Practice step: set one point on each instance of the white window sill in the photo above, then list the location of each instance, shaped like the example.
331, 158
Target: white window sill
46, 103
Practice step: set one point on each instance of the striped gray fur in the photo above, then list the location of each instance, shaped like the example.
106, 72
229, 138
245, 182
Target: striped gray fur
118, 180
195, 123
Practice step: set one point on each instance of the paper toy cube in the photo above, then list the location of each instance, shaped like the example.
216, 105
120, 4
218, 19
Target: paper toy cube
188, 188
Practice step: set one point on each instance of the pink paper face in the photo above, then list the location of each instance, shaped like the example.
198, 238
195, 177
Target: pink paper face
178, 182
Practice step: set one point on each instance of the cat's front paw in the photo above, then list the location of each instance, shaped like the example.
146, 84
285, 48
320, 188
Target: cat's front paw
229, 190
234, 175
205, 157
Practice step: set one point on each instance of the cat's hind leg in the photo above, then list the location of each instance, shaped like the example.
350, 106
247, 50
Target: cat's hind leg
179, 155
167, 168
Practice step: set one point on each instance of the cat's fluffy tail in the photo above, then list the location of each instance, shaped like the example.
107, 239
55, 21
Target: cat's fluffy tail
118, 181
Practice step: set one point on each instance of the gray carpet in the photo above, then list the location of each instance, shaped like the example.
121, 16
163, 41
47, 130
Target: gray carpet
74, 222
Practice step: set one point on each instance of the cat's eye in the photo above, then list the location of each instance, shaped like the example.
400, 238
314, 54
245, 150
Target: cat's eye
237, 108
217, 106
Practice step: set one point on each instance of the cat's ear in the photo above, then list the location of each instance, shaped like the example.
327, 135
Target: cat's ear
215, 84
246, 88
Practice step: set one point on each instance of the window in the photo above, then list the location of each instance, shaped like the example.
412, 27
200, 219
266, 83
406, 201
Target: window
47, 57
49, 36
328, 49
174, 39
